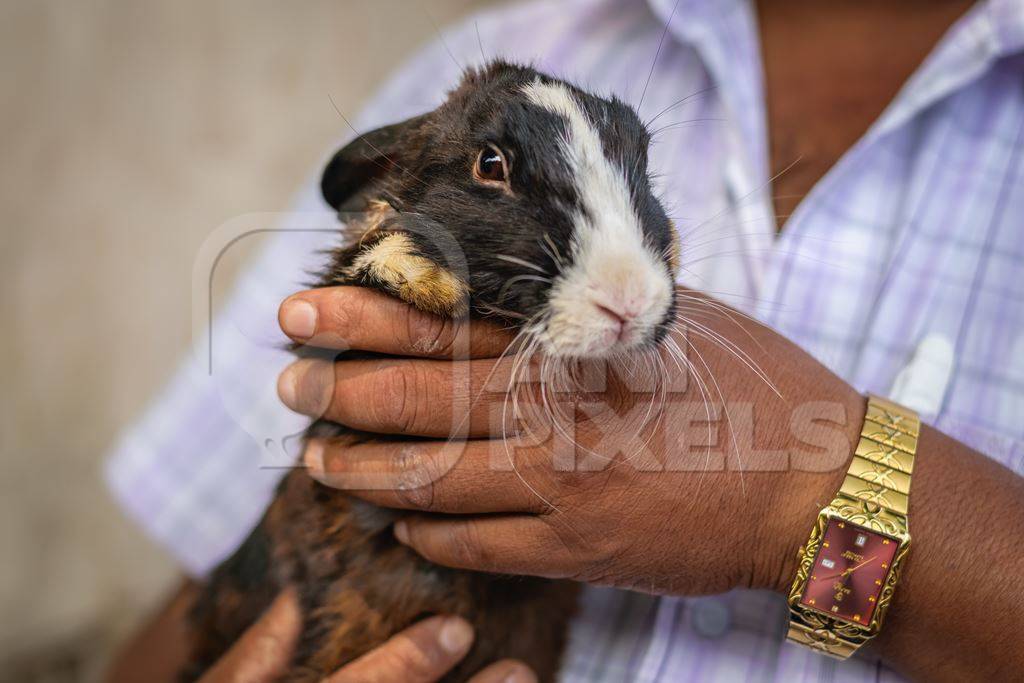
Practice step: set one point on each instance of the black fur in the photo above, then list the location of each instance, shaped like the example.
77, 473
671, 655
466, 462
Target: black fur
428, 159
357, 586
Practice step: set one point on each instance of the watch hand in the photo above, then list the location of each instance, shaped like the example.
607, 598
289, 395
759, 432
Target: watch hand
850, 571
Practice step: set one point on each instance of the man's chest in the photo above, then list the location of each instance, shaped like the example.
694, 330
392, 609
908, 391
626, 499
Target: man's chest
914, 244
829, 74
913, 237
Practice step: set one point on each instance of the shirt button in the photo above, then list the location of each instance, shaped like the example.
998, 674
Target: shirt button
711, 618
922, 384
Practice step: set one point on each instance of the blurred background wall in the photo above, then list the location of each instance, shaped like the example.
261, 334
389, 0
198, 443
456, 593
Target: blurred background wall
130, 130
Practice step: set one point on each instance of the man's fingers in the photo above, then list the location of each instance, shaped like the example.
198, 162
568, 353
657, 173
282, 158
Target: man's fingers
263, 652
467, 477
416, 397
347, 318
505, 671
503, 544
422, 653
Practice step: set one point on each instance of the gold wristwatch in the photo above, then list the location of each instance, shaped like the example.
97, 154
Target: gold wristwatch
851, 563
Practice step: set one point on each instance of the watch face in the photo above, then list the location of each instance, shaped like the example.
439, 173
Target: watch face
848, 574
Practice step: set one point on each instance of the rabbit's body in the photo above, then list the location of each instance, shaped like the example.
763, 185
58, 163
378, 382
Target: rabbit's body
358, 587
517, 174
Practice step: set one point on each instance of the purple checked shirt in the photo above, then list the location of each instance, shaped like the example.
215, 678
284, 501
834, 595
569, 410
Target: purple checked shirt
902, 270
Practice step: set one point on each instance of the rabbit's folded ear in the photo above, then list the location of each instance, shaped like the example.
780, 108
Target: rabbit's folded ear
365, 160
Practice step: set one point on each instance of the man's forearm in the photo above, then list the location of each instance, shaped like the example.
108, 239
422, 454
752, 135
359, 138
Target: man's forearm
958, 613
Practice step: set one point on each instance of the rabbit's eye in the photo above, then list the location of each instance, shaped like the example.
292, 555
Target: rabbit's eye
491, 165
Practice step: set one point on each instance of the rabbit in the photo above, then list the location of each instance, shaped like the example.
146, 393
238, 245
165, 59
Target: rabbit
543, 192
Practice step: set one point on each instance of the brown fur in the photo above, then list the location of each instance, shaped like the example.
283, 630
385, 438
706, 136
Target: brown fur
674, 250
358, 586
393, 262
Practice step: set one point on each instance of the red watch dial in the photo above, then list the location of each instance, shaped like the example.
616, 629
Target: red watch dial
848, 574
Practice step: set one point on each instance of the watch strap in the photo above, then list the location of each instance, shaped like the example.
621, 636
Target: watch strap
875, 494
883, 461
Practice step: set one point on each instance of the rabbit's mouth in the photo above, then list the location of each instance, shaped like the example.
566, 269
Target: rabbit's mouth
608, 303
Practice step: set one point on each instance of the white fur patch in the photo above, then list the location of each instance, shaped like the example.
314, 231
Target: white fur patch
612, 267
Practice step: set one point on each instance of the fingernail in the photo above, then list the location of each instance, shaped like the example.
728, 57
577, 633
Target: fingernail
402, 532
456, 635
287, 387
298, 318
314, 457
519, 674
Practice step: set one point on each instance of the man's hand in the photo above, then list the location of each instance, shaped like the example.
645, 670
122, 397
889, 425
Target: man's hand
422, 653
677, 492
626, 491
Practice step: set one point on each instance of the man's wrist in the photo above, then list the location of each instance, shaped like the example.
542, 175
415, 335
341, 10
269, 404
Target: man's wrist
954, 617
804, 497
798, 497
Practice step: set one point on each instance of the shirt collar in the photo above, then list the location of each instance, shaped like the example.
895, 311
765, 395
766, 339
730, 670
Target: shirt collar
724, 34
988, 32
1006, 18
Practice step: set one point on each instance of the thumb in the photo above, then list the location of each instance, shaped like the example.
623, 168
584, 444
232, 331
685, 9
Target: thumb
265, 650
